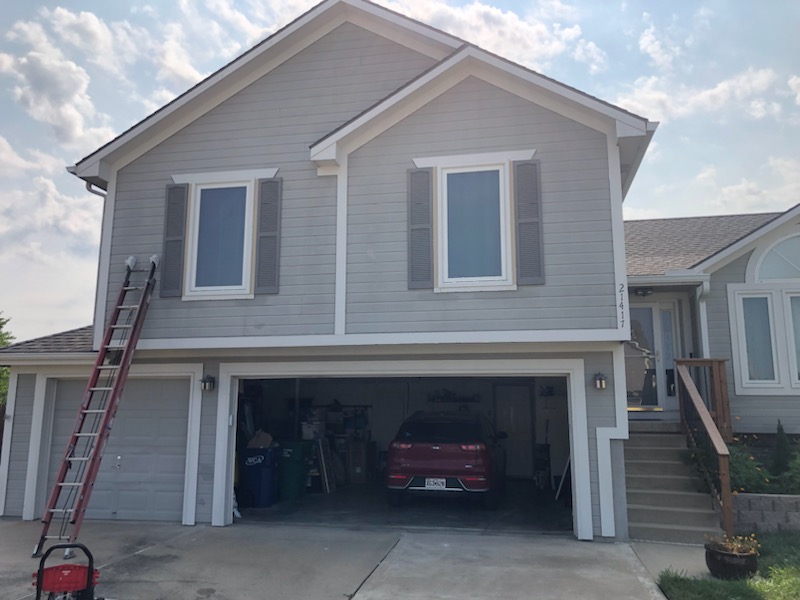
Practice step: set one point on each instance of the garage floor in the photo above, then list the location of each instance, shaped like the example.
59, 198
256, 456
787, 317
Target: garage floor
521, 510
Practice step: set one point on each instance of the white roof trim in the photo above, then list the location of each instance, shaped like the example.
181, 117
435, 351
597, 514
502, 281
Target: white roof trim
721, 258
90, 166
325, 150
670, 278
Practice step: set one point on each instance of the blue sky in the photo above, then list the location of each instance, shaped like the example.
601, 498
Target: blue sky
722, 77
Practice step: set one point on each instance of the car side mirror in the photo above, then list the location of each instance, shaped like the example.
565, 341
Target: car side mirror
501, 435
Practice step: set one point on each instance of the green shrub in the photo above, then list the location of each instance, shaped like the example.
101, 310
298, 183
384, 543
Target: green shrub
782, 453
790, 480
747, 473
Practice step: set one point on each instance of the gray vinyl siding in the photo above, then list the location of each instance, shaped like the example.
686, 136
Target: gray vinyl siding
205, 467
752, 414
476, 117
270, 124
20, 437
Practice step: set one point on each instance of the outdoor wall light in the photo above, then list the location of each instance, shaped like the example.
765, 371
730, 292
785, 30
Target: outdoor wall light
207, 383
600, 381
643, 291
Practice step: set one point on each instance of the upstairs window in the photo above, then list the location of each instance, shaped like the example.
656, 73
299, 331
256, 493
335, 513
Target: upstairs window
221, 235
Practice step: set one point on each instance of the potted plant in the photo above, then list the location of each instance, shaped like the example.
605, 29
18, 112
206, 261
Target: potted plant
734, 557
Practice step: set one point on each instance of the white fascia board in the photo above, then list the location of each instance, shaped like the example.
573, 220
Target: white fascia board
581, 108
671, 278
377, 339
735, 250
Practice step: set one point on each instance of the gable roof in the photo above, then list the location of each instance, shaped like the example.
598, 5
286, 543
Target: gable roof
657, 246
72, 341
634, 132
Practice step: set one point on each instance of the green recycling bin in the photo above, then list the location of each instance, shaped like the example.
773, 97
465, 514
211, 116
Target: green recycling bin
293, 472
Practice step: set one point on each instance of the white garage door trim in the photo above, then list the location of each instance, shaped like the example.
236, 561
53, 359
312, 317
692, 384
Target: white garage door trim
37, 465
573, 369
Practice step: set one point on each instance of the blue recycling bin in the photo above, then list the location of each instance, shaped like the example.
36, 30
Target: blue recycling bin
260, 475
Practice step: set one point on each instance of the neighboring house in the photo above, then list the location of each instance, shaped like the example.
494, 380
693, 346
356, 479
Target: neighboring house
378, 212
725, 287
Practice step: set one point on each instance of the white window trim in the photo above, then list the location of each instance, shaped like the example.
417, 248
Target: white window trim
794, 376
782, 339
198, 182
490, 161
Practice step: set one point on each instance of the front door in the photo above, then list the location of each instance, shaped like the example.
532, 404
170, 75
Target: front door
650, 358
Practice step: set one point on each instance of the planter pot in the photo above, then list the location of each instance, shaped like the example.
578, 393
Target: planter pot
730, 565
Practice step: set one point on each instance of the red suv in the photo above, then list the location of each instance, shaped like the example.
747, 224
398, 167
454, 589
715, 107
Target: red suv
446, 452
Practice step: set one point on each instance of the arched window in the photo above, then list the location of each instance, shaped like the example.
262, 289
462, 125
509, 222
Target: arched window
782, 262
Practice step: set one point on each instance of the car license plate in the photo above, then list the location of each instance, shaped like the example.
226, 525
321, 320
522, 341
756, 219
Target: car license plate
435, 483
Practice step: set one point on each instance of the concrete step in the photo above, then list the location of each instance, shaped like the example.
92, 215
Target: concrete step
656, 453
654, 427
655, 440
670, 533
677, 517
663, 467
677, 483
669, 499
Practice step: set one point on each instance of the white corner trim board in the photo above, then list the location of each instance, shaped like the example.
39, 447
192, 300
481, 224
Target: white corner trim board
604, 436
573, 369
35, 470
5, 450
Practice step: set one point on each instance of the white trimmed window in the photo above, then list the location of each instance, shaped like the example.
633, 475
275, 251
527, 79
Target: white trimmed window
221, 235
463, 225
765, 323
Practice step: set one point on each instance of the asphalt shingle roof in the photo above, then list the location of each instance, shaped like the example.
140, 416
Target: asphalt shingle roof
75, 340
656, 246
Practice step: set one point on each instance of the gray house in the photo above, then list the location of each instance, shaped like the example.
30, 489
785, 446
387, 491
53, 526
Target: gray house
365, 209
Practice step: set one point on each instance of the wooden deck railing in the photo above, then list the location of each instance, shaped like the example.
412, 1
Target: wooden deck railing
710, 376
707, 440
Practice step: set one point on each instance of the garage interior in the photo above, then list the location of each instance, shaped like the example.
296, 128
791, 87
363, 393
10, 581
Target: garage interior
313, 451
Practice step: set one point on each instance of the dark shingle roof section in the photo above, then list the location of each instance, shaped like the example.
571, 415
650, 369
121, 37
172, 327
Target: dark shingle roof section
656, 246
75, 340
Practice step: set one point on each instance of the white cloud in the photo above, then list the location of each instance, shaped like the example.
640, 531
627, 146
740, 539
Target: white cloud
777, 189
224, 10
53, 89
662, 98
530, 41
794, 85
661, 51
635, 213
590, 54
173, 59
760, 108
14, 165
46, 215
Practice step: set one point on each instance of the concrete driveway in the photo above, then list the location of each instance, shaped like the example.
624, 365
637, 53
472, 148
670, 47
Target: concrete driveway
265, 561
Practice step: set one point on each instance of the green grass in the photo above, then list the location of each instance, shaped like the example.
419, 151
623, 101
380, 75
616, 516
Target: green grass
778, 576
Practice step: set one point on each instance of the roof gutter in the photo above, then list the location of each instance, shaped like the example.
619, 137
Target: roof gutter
16, 359
669, 279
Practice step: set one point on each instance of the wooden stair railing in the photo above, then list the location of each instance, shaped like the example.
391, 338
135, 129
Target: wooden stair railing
712, 374
704, 436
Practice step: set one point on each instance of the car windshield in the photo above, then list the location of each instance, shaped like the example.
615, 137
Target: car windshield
441, 432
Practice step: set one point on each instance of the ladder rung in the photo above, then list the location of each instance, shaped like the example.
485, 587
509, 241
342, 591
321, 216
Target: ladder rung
65, 484
128, 307
78, 458
122, 327
93, 411
101, 389
62, 510
112, 347
81, 434
133, 287
108, 367
56, 537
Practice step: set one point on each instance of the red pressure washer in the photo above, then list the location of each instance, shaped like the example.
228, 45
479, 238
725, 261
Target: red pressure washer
66, 582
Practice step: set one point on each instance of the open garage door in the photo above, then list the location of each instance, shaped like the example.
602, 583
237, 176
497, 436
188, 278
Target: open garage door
142, 473
345, 427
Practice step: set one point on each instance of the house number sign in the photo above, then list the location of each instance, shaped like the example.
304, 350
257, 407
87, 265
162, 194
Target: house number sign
621, 305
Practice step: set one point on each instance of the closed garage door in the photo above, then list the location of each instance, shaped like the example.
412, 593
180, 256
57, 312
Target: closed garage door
142, 473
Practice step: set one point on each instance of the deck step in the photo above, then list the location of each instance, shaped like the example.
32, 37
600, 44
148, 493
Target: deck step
670, 533
654, 427
658, 453
655, 440
676, 517
669, 499
662, 467
675, 483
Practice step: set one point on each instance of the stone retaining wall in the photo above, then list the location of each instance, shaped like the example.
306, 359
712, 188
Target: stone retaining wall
766, 512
